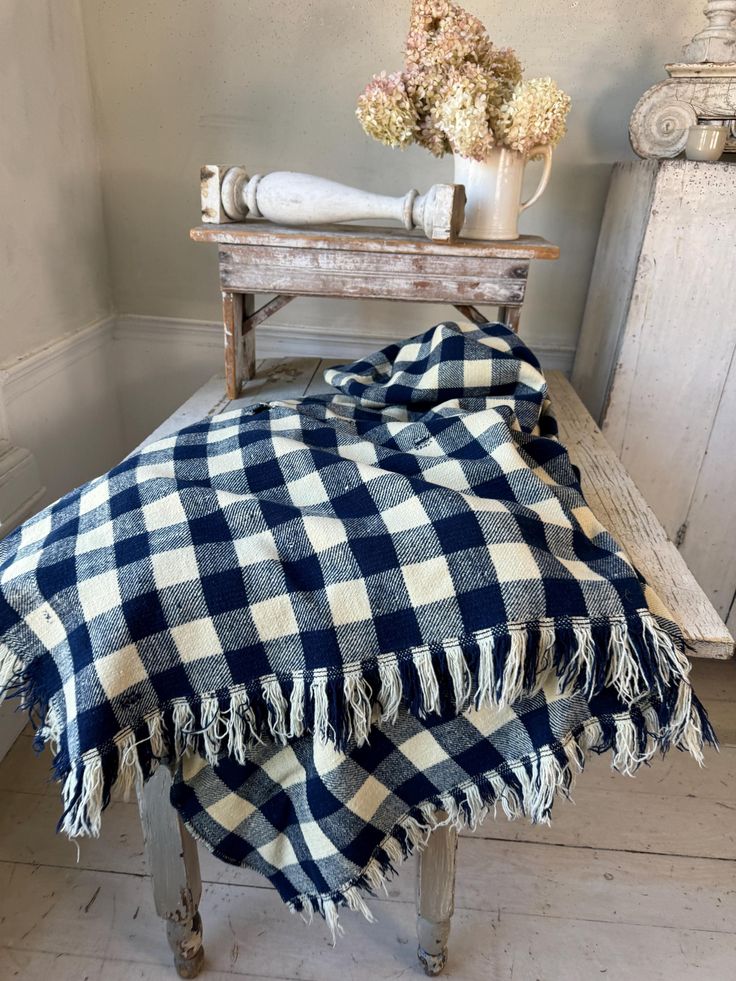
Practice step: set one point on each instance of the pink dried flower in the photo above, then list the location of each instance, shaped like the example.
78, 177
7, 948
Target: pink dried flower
424, 87
386, 112
443, 34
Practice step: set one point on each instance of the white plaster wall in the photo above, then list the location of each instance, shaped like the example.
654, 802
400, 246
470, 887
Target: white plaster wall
53, 264
57, 397
61, 403
273, 85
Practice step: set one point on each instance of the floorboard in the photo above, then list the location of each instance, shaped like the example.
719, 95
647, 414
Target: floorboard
635, 881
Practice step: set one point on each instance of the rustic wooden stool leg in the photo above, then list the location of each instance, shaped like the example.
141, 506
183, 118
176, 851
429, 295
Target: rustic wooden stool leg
506, 315
171, 855
240, 342
510, 316
436, 898
471, 313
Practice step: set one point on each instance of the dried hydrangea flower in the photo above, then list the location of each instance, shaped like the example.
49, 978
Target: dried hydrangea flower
503, 65
431, 137
424, 87
458, 93
386, 112
442, 34
534, 115
463, 113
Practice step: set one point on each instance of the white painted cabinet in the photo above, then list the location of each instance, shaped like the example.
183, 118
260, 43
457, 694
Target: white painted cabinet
656, 360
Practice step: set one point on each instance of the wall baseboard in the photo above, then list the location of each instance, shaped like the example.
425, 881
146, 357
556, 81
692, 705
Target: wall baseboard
161, 361
59, 425
74, 407
21, 375
60, 402
275, 340
21, 495
21, 489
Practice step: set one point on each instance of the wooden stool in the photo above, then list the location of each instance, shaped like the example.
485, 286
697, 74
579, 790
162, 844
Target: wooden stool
616, 502
360, 263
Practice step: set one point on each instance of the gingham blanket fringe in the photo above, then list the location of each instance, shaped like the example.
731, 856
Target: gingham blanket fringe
636, 658
524, 788
449, 433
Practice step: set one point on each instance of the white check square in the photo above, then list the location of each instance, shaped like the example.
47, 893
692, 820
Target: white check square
348, 601
100, 537
120, 670
371, 794
99, 594
196, 639
423, 751
580, 571
307, 490
34, 531
508, 458
46, 625
449, 474
429, 581
175, 566
278, 852
164, 513
230, 811
225, 463
404, 516
316, 840
324, 533
513, 561
95, 495
274, 618
260, 547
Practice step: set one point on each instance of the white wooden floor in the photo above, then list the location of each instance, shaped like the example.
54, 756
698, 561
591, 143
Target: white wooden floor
637, 880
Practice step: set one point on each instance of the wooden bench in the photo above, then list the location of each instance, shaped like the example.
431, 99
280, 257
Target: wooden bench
357, 262
171, 852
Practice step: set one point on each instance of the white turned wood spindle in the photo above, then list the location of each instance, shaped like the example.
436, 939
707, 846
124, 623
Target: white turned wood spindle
289, 198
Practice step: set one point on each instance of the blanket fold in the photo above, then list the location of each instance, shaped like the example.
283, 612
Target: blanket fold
313, 572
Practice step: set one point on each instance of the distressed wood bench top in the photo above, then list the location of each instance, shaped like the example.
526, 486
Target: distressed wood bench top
362, 238
610, 492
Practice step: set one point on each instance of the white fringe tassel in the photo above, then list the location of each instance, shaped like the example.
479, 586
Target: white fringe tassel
233, 728
11, 668
540, 777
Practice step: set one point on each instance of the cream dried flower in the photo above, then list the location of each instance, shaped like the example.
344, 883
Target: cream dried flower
386, 112
463, 113
534, 115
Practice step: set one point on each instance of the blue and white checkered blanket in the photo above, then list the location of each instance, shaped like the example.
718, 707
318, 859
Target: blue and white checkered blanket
409, 559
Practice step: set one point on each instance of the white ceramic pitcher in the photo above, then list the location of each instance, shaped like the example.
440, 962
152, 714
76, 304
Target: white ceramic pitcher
493, 191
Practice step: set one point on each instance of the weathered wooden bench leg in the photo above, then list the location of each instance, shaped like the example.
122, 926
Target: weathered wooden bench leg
506, 315
171, 854
510, 316
436, 898
240, 343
